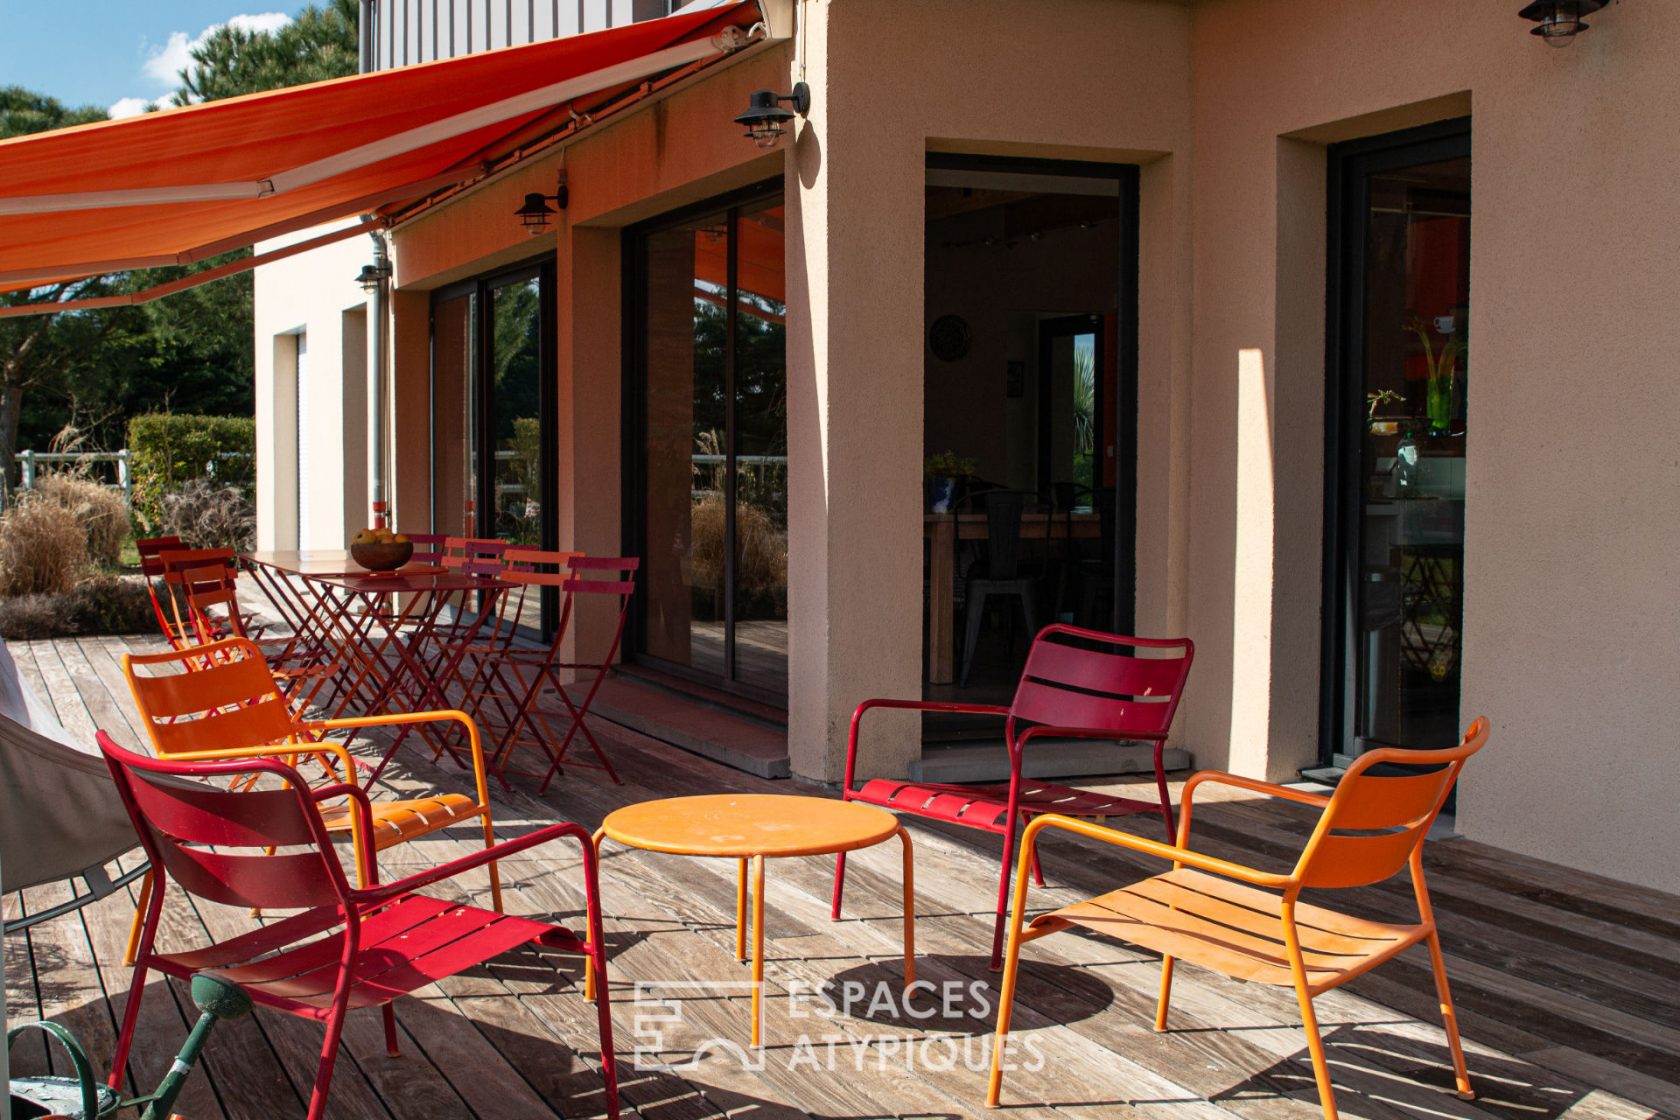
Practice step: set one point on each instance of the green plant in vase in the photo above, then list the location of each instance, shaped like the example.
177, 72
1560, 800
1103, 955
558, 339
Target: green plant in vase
945, 470
1443, 373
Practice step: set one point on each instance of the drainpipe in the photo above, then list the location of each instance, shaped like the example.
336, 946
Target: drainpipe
376, 281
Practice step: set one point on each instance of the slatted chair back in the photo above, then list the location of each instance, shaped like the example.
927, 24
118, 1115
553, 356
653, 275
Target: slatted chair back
1375, 822
151, 551
530, 570
606, 577
213, 697
428, 549
1004, 509
198, 579
474, 556
215, 842
1091, 680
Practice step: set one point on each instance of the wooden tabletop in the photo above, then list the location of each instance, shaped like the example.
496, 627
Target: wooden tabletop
749, 824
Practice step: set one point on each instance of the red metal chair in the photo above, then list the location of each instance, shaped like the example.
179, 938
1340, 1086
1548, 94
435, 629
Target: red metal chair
204, 582
1077, 684
151, 551
380, 942
604, 578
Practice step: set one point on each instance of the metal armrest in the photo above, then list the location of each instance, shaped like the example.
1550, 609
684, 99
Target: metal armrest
1180, 856
906, 705
478, 859
395, 719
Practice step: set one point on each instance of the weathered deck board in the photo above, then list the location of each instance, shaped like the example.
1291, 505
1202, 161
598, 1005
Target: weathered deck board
1567, 1004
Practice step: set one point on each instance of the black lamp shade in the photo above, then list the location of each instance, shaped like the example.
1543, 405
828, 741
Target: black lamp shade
536, 212
1560, 20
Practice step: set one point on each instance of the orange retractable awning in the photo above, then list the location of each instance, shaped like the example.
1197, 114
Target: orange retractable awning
181, 184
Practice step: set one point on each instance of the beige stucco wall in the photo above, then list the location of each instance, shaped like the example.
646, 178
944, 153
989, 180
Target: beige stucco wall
314, 294
1570, 612
1573, 494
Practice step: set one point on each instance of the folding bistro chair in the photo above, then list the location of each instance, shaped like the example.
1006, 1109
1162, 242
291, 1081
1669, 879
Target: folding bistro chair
205, 582
221, 702
497, 683
1251, 924
151, 551
605, 579
350, 947
1077, 684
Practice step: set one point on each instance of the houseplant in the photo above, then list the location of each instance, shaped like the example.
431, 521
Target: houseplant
945, 473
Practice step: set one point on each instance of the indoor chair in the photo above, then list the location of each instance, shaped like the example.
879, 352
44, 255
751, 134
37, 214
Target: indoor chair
1077, 684
349, 947
1251, 925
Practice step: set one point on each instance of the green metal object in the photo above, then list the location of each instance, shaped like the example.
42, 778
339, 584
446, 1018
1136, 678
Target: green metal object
82, 1097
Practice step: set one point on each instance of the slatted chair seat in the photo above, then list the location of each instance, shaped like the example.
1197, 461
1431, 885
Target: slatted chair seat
405, 944
396, 821
987, 806
1233, 928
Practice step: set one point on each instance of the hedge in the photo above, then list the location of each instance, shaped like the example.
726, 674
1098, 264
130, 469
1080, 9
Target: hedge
168, 450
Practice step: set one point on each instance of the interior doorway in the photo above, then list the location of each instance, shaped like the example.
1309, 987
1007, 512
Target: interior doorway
1030, 406
1396, 441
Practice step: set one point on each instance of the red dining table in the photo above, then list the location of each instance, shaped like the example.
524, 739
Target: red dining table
384, 626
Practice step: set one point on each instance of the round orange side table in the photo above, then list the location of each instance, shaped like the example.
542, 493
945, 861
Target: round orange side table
755, 827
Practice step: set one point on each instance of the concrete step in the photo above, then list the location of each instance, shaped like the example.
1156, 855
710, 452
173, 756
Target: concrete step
709, 730
1050, 758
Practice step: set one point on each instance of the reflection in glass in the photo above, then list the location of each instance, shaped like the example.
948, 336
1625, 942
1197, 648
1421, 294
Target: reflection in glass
1409, 608
454, 477
715, 454
761, 525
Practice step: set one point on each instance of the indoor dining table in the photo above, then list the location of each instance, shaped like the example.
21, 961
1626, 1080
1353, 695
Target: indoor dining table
942, 531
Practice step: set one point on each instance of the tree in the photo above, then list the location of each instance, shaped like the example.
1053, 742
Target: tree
320, 43
36, 349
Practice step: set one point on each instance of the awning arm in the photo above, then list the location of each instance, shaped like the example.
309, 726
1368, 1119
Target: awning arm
232, 268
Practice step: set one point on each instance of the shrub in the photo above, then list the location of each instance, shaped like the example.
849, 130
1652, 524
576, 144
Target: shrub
206, 514
42, 547
103, 604
761, 552
167, 451
99, 510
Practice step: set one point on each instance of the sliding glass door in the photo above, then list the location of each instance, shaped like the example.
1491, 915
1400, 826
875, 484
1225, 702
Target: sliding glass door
708, 411
1397, 441
494, 447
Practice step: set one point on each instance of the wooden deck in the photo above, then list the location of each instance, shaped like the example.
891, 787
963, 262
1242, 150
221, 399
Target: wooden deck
1568, 997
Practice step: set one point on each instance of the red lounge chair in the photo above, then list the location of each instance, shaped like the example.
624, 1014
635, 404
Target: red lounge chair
379, 942
1077, 684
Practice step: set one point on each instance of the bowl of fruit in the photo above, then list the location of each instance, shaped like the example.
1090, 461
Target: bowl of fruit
380, 550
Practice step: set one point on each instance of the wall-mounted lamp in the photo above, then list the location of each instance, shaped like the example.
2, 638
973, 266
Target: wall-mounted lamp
1560, 20
536, 213
765, 117
372, 275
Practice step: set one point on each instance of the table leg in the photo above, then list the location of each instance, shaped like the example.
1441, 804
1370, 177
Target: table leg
758, 946
909, 908
741, 910
942, 545
589, 961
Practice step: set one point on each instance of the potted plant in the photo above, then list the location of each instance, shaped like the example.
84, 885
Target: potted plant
1443, 370
945, 472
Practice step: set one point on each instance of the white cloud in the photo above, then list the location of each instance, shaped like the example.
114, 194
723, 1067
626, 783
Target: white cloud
164, 64
134, 106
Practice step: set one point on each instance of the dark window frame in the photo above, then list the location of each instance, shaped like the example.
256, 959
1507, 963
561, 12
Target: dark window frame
1350, 167
635, 381
543, 270
1121, 413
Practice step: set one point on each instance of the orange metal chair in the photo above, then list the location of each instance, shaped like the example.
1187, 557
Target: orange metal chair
151, 550
203, 585
220, 702
1251, 924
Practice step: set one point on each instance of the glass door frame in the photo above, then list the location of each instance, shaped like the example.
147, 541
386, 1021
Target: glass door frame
1351, 166
635, 378
542, 270
1119, 416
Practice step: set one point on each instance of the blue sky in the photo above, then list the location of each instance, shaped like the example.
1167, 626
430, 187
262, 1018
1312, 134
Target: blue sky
113, 52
